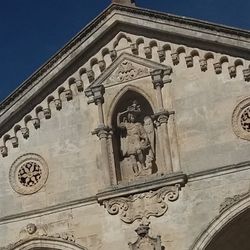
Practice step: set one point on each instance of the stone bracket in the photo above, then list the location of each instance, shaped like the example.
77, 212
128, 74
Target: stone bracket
142, 200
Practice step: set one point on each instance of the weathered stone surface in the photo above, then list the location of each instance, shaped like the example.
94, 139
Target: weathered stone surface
97, 154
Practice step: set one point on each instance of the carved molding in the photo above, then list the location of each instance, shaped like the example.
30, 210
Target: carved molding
39, 232
64, 237
144, 205
230, 201
241, 119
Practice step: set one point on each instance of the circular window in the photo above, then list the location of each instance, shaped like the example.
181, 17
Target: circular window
241, 119
28, 174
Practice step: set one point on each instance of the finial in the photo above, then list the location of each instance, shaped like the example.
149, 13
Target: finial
124, 2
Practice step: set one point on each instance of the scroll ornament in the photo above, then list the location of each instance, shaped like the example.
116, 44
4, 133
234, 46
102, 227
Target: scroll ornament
144, 205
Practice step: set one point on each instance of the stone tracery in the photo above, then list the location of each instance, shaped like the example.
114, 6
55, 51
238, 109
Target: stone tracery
28, 174
241, 119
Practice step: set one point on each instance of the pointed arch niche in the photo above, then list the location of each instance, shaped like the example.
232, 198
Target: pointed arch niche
134, 136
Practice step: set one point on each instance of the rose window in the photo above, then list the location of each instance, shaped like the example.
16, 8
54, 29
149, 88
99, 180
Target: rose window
245, 119
28, 174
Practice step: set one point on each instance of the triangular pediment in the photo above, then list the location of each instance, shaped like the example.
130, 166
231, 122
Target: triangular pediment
101, 33
125, 68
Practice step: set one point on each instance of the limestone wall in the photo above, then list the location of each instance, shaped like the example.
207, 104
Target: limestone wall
92, 226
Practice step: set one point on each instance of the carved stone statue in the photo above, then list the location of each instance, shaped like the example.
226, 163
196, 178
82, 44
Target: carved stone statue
136, 139
144, 241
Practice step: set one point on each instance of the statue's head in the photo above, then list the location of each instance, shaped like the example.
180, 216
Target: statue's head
31, 228
131, 117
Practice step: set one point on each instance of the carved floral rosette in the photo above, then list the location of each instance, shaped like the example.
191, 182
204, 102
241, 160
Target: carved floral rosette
241, 119
144, 205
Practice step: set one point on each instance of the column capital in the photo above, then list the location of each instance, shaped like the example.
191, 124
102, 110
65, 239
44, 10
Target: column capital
102, 132
160, 76
95, 94
162, 117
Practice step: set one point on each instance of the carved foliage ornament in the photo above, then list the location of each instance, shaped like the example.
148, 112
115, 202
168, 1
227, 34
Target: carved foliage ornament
128, 71
144, 205
241, 119
28, 174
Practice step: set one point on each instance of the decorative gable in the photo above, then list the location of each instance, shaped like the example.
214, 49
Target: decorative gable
125, 68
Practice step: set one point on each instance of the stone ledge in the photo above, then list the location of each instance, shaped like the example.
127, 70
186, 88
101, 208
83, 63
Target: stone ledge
142, 185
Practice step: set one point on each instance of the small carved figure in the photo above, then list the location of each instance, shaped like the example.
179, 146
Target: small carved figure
144, 241
137, 139
31, 228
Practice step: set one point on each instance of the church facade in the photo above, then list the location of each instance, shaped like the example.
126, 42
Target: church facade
136, 135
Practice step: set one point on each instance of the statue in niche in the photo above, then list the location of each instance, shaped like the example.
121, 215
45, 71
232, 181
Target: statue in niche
137, 140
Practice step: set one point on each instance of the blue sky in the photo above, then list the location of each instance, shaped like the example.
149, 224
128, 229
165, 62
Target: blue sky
31, 31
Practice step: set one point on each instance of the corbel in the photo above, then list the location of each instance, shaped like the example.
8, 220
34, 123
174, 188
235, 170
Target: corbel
217, 68
246, 73
58, 104
175, 58
134, 48
148, 52
189, 61
47, 113
203, 64
4, 151
232, 71
102, 65
79, 85
25, 132
161, 54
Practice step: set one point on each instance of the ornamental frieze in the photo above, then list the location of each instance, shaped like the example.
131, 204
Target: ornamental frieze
144, 205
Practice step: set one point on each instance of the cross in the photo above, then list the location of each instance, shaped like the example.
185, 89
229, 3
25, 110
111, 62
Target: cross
124, 2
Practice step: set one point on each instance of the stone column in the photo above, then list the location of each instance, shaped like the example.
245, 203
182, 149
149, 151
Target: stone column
103, 132
159, 78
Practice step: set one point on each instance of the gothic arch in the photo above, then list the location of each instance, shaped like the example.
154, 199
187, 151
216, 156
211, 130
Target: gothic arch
222, 221
45, 243
120, 94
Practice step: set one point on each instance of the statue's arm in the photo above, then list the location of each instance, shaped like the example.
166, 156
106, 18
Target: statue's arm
119, 123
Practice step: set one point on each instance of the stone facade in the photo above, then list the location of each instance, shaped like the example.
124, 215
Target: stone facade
141, 123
